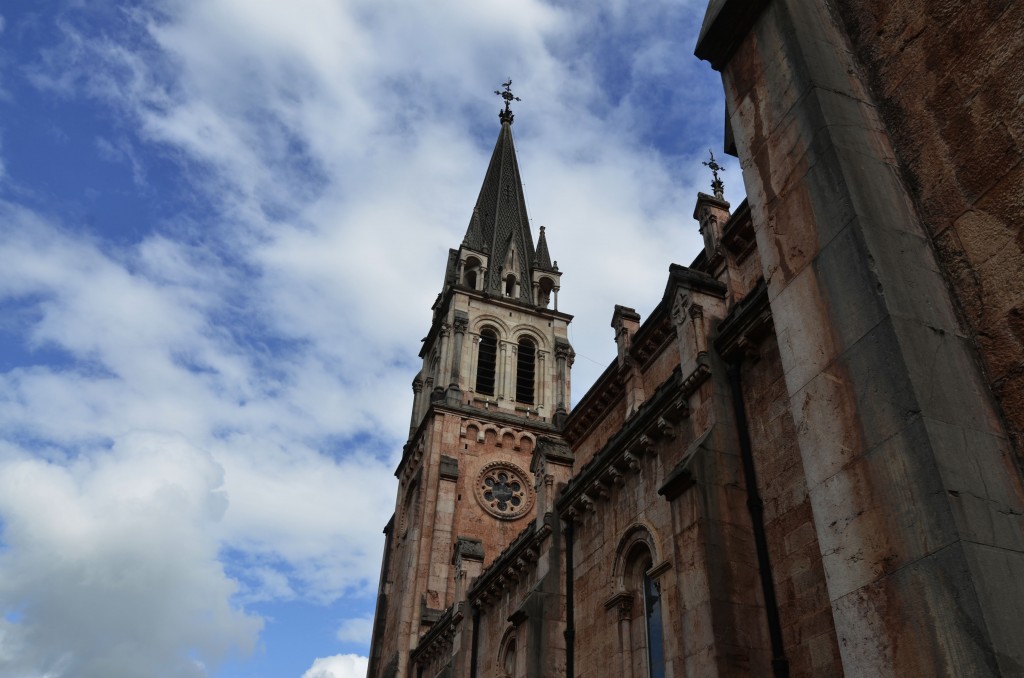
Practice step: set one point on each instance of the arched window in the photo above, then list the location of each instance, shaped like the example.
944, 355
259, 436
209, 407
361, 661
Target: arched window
641, 632
652, 619
471, 273
486, 362
544, 292
510, 285
525, 370
508, 662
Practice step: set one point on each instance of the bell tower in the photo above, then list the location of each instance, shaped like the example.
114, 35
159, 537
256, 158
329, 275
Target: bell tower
495, 378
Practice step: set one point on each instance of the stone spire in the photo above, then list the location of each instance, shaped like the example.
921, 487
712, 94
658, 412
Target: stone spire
500, 227
542, 260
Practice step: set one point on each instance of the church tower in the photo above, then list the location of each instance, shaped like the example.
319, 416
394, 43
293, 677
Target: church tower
495, 378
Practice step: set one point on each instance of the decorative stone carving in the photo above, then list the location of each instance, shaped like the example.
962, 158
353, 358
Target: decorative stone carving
503, 491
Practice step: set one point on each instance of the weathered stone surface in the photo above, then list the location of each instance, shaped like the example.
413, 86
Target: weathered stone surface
837, 445
871, 343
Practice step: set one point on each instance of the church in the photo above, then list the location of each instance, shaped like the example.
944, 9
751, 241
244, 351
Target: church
806, 460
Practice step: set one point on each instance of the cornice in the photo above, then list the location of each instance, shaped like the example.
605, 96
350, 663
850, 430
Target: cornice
657, 419
508, 568
746, 325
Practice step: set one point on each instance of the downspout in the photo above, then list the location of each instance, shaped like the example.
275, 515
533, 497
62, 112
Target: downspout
475, 643
570, 623
780, 664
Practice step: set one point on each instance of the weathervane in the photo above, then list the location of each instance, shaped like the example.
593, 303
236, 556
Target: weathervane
716, 185
506, 115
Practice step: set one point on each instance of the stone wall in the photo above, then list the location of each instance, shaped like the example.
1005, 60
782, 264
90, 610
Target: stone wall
949, 85
806, 616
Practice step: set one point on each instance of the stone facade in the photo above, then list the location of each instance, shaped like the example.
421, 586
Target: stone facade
806, 461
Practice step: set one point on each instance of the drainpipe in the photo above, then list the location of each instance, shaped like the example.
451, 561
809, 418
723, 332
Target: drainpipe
475, 643
570, 623
780, 664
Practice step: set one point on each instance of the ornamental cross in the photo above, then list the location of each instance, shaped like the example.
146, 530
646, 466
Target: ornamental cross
716, 185
509, 98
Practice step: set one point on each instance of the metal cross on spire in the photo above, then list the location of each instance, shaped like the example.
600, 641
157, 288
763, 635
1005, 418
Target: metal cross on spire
506, 115
716, 185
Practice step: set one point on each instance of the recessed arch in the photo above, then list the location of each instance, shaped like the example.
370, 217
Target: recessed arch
520, 331
642, 642
544, 287
472, 273
498, 324
636, 536
508, 654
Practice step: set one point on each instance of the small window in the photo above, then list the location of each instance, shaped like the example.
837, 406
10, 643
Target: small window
507, 658
544, 292
509, 663
525, 369
652, 618
510, 285
486, 362
471, 273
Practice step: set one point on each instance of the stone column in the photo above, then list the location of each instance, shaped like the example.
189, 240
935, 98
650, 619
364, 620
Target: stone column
417, 388
502, 368
442, 364
543, 379
563, 361
460, 324
513, 371
473, 358
917, 503
624, 611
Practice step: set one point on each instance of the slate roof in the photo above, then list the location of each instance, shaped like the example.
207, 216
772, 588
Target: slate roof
499, 221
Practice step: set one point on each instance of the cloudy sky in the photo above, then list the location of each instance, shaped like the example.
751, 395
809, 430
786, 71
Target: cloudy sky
222, 225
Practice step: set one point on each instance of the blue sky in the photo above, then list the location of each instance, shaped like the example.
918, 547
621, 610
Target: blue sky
222, 226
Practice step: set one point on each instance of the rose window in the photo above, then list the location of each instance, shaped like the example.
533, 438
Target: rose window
503, 491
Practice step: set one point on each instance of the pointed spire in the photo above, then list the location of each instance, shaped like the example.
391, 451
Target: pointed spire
500, 226
474, 239
542, 260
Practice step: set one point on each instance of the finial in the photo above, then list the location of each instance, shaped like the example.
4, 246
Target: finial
506, 115
716, 185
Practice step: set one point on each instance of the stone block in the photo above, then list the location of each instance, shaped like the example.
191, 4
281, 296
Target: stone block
1000, 590
909, 278
884, 385
979, 474
882, 512
825, 415
850, 282
947, 382
801, 316
921, 620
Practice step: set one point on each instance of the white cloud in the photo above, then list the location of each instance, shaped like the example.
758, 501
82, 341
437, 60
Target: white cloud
111, 565
355, 630
338, 666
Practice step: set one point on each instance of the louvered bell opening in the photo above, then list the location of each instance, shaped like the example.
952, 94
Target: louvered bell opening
486, 363
525, 371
